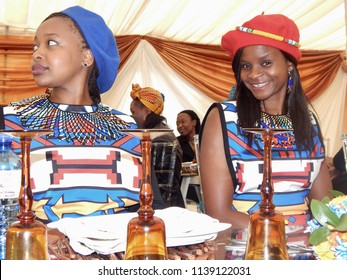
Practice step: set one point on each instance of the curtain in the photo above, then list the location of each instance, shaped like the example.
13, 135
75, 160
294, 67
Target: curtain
207, 67
191, 75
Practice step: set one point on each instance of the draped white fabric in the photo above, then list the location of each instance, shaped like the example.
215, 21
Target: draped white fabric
321, 23
147, 68
330, 109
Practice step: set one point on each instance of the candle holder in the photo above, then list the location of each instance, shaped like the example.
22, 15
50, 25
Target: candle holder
26, 238
266, 230
146, 239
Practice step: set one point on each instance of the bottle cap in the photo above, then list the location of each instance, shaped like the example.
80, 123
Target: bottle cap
5, 139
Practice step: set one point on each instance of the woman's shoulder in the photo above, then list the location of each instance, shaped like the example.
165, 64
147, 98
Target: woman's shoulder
224, 107
169, 137
29, 100
114, 113
229, 105
227, 111
182, 139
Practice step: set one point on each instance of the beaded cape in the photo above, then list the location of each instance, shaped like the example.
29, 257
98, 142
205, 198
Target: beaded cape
70, 122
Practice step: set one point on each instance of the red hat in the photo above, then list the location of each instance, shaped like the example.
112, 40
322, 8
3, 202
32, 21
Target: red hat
275, 30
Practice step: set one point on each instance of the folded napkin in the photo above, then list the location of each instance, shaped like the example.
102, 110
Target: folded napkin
107, 234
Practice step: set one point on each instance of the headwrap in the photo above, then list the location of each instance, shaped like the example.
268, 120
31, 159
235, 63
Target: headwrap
275, 30
151, 98
101, 42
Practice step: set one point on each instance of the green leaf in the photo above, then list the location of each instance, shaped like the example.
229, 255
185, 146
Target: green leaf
325, 200
323, 214
319, 235
336, 193
342, 225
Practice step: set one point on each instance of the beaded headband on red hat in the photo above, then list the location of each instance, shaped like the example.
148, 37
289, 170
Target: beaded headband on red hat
268, 35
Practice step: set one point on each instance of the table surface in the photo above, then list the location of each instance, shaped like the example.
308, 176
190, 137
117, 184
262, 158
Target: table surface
231, 243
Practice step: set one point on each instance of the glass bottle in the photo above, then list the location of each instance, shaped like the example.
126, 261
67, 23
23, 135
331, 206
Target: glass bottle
10, 176
146, 238
26, 238
266, 230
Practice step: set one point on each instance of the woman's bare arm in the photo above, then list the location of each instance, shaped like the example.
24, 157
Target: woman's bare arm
216, 180
322, 184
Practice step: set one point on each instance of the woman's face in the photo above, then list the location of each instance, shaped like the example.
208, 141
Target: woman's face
185, 124
264, 71
139, 112
57, 54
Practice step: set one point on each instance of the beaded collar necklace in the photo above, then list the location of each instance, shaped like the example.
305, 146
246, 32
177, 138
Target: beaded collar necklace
83, 125
282, 140
276, 121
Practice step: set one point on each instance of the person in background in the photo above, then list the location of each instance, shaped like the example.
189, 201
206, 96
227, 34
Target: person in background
86, 166
340, 179
146, 108
188, 124
264, 53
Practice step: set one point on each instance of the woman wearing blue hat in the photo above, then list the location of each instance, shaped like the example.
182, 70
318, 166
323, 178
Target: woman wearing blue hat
86, 166
264, 53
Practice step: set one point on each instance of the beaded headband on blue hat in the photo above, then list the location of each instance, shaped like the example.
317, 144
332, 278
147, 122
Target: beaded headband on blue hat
101, 42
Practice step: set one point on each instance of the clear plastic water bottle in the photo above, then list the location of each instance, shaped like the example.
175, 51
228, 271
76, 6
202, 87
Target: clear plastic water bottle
10, 180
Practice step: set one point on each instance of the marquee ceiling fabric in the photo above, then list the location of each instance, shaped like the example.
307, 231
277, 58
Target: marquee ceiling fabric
321, 23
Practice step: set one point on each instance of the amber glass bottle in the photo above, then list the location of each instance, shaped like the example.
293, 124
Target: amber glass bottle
26, 238
266, 230
146, 238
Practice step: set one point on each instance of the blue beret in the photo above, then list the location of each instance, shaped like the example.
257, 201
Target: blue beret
101, 42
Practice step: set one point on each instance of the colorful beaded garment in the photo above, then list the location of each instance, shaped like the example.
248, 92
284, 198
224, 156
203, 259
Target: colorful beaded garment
84, 125
293, 170
282, 140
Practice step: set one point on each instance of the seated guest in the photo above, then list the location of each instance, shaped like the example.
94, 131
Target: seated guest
146, 108
340, 180
86, 166
264, 52
188, 124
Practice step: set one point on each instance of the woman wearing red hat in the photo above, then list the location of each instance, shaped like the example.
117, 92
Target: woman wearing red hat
264, 53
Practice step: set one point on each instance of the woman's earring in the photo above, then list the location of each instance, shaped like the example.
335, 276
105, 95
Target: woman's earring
49, 91
85, 64
290, 82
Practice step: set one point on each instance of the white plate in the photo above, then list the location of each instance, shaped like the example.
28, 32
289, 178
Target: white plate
107, 234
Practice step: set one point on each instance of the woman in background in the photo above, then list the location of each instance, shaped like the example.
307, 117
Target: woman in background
188, 124
340, 180
146, 107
